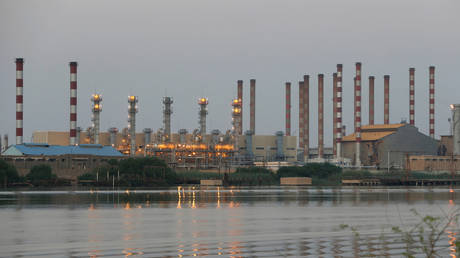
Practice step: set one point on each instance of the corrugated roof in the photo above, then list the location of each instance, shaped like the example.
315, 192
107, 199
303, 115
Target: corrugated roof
367, 136
382, 126
56, 150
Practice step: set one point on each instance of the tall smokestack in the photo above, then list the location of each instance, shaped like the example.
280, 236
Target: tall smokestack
252, 106
386, 99
203, 102
301, 117
19, 100
320, 115
288, 109
73, 103
96, 108
358, 113
339, 111
240, 98
132, 110
306, 119
334, 114
371, 100
432, 101
167, 111
412, 96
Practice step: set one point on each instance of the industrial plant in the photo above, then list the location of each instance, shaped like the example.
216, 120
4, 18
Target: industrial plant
371, 145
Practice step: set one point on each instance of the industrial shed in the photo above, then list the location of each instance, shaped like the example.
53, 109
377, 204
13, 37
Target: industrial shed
386, 145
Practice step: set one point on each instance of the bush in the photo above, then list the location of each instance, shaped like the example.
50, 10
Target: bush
8, 174
41, 175
321, 173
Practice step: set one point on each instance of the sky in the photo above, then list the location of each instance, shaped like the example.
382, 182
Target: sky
193, 49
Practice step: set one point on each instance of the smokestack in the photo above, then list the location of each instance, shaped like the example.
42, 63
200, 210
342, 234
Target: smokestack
132, 110
301, 116
432, 101
386, 99
306, 119
19, 100
358, 113
339, 111
240, 98
252, 106
113, 136
288, 109
96, 109
320, 115
203, 102
412, 96
371, 99
334, 114
167, 111
73, 102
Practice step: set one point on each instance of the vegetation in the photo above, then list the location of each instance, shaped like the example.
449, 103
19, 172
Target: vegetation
42, 175
252, 176
8, 174
321, 173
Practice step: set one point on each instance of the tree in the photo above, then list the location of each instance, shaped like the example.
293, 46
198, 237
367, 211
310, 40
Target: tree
8, 174
41, 175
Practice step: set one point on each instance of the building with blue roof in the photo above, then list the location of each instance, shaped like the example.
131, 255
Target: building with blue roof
36, 149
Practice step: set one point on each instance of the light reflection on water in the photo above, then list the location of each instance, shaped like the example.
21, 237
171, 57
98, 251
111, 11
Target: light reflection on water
215, 221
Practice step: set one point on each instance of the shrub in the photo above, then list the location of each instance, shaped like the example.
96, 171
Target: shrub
41, 175
8, 174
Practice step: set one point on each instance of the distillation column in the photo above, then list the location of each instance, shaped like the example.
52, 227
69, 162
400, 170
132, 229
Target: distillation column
113, 136
203, 102
132, 110
96, 109
19, 100
73, 103
167, 111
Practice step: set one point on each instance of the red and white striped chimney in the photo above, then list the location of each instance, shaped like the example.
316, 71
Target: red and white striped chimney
320, 116
73, 103
412, 96
19, 100
306, 119
339, 111
240, 97
288, 109
371, 100
358, 114
252, 106
301, 116
386, 99
334, 114
432, 101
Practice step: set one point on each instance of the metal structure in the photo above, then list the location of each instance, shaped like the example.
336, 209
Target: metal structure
252, 106
358, 113
456, 128
386, 99
147, 135
203, 102
431, 96
412, 96
132, 110
113, 135
78, 134
334, 114
19, 100
288, 109
371, 99
96, 109
5, 141
73, 103
182, 136
306, 118
301, 116
240, 98
167, 111
339, 111
236, 116
320, 116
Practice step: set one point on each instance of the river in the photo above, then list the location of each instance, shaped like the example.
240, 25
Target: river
229, 222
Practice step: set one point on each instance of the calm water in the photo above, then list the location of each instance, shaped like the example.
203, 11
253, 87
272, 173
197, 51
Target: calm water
235, 222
